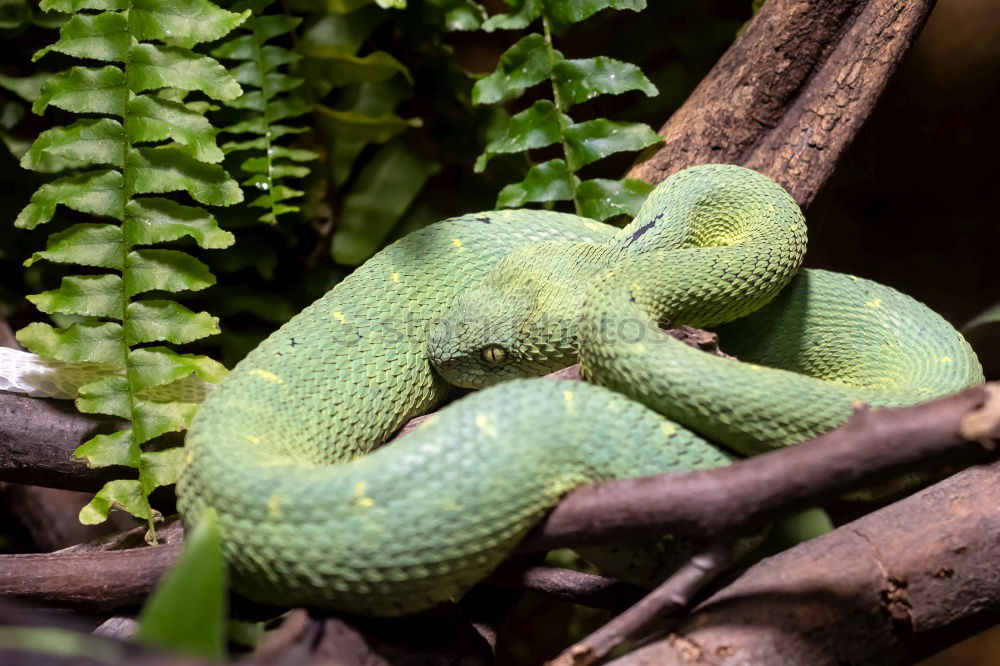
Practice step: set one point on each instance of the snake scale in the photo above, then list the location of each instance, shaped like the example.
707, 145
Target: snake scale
311, 513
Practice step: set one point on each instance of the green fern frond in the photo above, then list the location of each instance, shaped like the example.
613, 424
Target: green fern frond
145, 140
267, 105
534, 60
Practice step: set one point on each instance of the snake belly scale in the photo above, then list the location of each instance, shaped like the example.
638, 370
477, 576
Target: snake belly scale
311, 514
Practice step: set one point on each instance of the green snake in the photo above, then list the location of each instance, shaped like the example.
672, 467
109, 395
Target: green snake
311, 514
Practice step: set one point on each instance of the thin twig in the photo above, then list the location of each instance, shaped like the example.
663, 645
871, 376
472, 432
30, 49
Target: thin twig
674, 594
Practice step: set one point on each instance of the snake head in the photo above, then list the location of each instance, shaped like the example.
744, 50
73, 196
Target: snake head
498, 331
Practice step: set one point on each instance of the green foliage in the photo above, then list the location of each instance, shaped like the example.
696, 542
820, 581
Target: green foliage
187, 611
990, 315
533, 60
145, 140
268, 110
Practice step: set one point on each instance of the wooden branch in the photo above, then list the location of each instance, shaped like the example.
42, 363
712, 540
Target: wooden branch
791, 93
873, 444
879, 590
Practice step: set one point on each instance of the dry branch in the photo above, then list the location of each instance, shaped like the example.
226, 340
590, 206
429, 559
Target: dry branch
879, 590
791, 93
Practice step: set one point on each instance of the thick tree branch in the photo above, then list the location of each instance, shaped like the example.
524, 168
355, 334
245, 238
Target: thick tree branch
791, 93
880, 590
873, 444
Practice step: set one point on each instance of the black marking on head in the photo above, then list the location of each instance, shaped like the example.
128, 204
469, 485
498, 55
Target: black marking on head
643, 229
482, 218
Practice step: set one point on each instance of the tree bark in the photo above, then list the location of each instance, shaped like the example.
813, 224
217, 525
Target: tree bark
793, 90
879, 590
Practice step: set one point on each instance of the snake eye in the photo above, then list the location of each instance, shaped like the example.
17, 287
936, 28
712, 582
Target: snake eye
493, 354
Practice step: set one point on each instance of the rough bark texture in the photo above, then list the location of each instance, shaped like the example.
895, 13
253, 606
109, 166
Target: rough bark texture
862, 594
793, 90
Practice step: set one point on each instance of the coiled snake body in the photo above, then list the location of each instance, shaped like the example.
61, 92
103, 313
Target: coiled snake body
281, 449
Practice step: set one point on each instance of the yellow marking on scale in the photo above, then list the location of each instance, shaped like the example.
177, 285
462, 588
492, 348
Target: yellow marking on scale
755, 367
771, 207
853, 277
873, 303
507, 214
793, 227
395, 278
668, 429
430, 420
924, 389
568, 397
339, 316
252, 439
638, 348
594, 226
946, 359
486, 424
190, 456
273, 507
269, 376
457, 243
362, 500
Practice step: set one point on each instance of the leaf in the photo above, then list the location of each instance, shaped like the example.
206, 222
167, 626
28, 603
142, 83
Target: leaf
564, 14
523, 65
525, 12
167, 169
28, 87
368, 215
341, 67
156, 320
152, 220
155, 366
153, 67
96, 192
154, 119
86, 341
535, 127
71, 6
151, 419
87, 142
91, 295
85, 244
187, 612
85, 90
378, 129
107, 395
548, 181
106, 450
94, 36
601, 199
581, 80
124, 494
161, 468
592, 140
182, 23
990, 315
167, 270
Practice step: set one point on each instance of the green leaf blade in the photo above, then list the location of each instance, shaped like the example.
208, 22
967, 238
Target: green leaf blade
123, 494
95, 192
85, 244
87, 142
159, 320
90, 295
153, 67
601, 199
523, 65
535, 127
548, 181
582, 80
182, 23
187, 612
592, 140
85, 90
